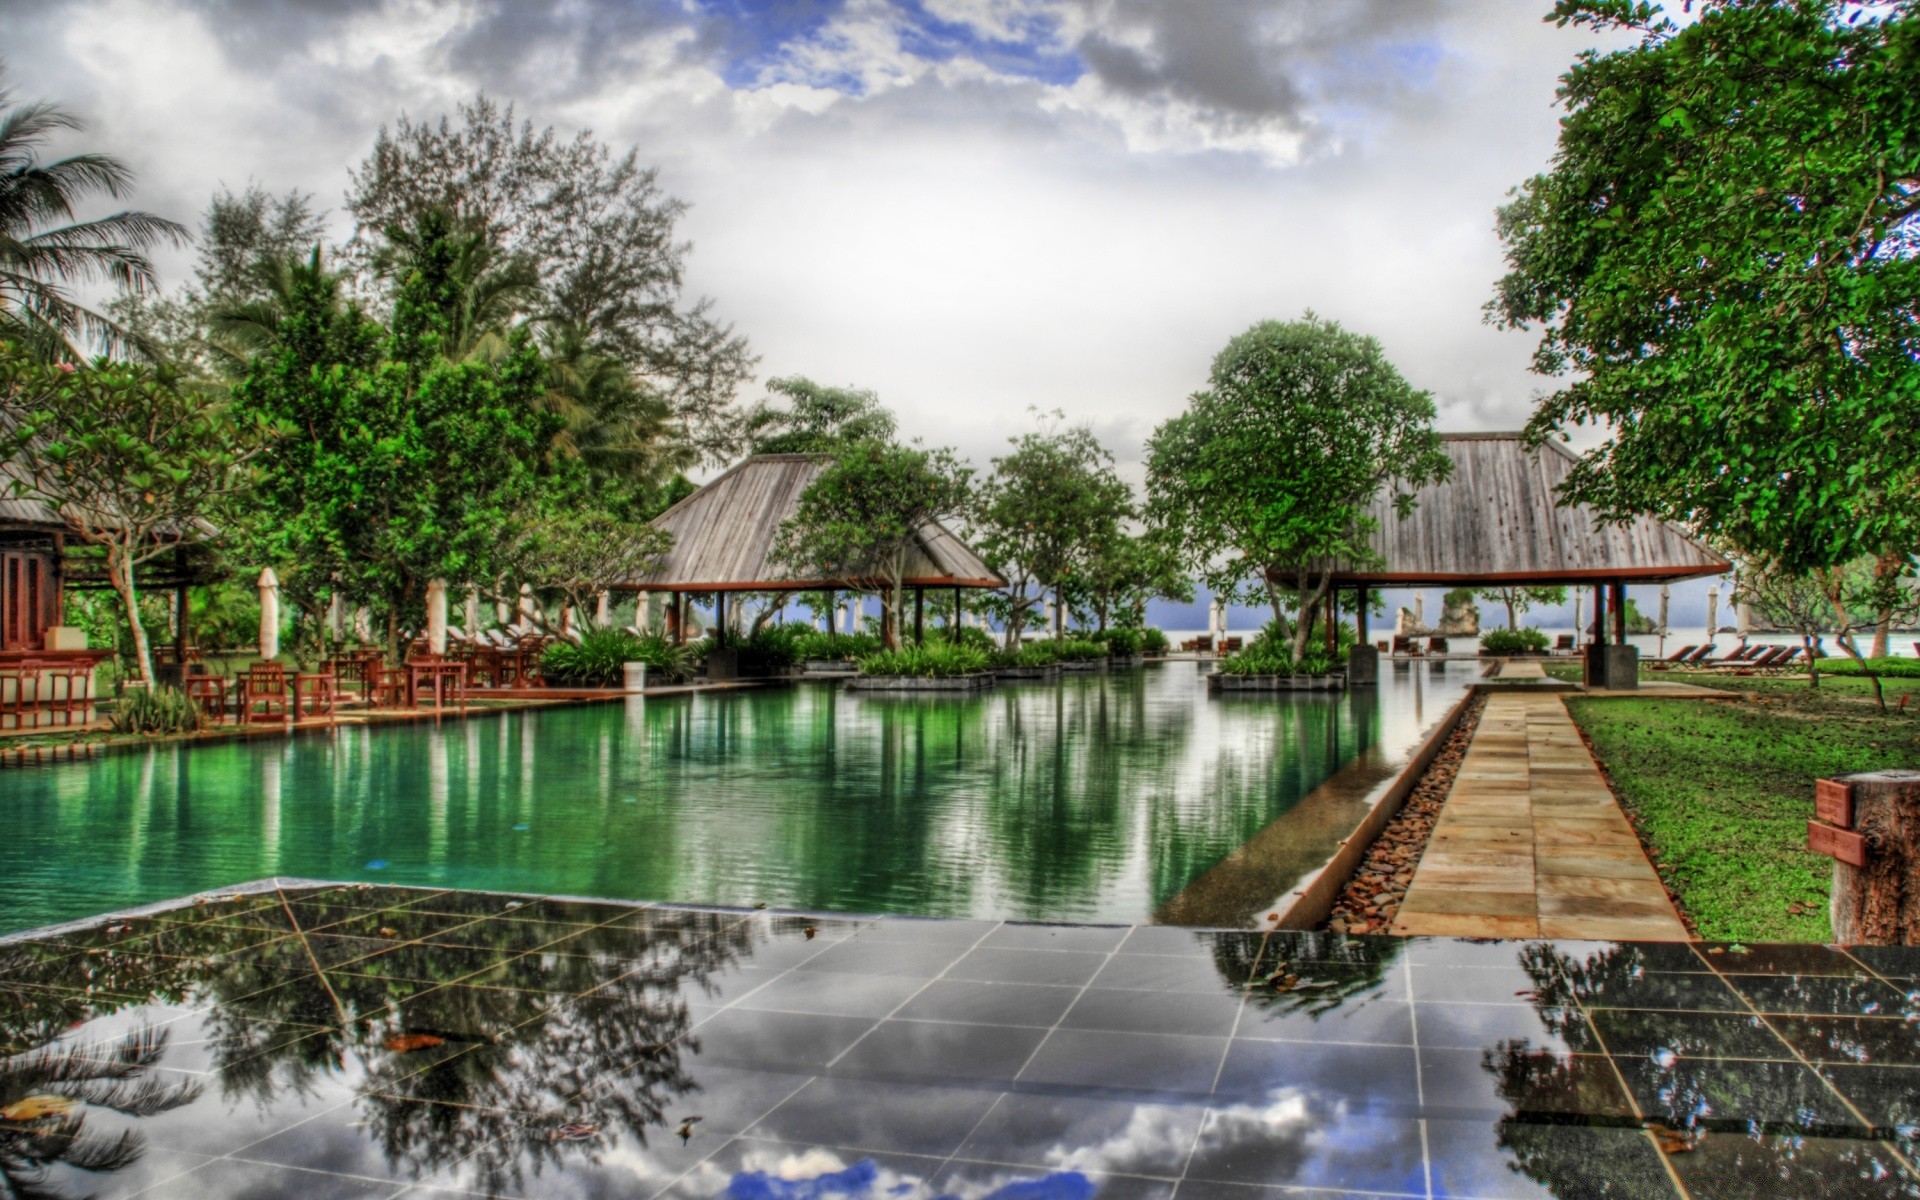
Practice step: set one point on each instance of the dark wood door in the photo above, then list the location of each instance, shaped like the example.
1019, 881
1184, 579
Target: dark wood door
26, 600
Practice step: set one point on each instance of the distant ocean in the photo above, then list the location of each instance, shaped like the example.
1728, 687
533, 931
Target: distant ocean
1902, 645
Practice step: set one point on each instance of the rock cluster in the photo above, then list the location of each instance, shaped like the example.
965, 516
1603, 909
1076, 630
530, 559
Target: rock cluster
1372, 897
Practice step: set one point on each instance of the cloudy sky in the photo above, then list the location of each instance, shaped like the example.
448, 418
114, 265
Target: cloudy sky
975, 207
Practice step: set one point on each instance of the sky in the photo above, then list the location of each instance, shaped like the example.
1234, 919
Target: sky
977, 208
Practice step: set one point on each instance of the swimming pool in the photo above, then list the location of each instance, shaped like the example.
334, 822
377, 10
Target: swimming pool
1100, 798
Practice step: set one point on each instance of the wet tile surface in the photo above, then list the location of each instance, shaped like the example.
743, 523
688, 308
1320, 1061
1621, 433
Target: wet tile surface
356, 1041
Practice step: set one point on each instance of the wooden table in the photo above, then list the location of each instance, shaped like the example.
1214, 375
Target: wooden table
314, 694
438, 675
210, 693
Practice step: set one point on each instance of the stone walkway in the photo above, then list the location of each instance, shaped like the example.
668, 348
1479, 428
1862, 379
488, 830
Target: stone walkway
1531, 842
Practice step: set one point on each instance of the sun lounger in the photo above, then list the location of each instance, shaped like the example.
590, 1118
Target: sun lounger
1678, 656
1787, 657
1564, 644
1699, 656
1436, 645
1762, 660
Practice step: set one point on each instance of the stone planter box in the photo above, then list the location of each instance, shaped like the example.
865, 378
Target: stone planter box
1096, 664
977, 682
1218, 682
1127, 660
827, 666
1050, 671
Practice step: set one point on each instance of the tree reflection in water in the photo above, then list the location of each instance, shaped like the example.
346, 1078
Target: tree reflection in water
1312, 973
548, 1054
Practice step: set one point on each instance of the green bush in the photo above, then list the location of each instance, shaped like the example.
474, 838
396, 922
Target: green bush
598, 658
1120, 643
966, 635
1081, 650
155, 710
1031, 654
1270, 653
1887, 668
933, 660
834, 647
1153, 641
1527, 640
772, 647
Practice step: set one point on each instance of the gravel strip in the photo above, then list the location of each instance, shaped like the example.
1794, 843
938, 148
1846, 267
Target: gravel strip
1372, 897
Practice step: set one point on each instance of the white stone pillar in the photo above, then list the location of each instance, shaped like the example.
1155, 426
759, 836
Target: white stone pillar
269, 615
473, 613
436, 616
603, 610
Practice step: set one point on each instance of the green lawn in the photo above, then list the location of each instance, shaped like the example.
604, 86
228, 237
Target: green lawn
1722, 791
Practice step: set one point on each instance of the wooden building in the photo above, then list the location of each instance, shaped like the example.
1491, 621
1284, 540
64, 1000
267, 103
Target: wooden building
724, 535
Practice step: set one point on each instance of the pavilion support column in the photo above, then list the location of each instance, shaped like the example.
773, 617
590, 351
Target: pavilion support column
673, 619
833, 601
959, 614
1333, 621
1618, 598
720, 620
1360, 616
181, 639
1363, 660
919, 616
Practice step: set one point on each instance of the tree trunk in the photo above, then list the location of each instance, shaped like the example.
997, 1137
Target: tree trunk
393, 631
1813, 662
1513, 617
1310, 599
891, 634
120, 575
1059, 617
1879, 903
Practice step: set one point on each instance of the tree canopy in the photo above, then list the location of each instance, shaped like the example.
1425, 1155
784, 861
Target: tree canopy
1265, 480
1721, 262
815, 419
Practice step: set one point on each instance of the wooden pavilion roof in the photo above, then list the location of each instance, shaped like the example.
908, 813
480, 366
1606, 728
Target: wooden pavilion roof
1498, 521
723, 537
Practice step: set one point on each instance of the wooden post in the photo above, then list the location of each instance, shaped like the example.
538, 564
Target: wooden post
959, 614
833, 610
720, 620
1869, 824
920, 616
1619, 599
674, 632
1333, 619
1360, 615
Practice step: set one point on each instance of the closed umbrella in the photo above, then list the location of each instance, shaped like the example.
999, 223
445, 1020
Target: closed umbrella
437, 616
473, 613
269, 615
1419, 612
1579, 625
1713, 612
1666, 598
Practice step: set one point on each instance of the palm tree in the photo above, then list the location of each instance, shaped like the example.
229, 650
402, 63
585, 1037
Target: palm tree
617, 426
43, 246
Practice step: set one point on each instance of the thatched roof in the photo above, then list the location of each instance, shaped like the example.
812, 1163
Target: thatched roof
1497, 521
723, 537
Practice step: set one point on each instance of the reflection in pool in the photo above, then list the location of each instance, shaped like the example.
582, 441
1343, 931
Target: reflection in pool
1099, 798
355, 1041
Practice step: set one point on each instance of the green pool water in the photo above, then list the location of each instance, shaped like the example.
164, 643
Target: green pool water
1095, 799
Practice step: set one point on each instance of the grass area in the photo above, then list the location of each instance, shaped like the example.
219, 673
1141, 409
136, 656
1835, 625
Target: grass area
1722, 791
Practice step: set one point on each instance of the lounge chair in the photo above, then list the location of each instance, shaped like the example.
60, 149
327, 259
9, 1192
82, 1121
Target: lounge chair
1787, 657
1678, 656
1564, 644
1403, 647
1762, 660
1698, 657
1436, 645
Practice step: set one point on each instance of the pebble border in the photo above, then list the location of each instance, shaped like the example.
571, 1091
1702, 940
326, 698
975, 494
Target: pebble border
1371, 899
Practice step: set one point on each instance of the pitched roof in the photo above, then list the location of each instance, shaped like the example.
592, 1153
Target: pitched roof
723, 537
1497, 520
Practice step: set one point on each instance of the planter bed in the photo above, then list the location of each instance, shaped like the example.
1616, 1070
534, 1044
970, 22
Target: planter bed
1050, 671
1094, 664
1217, 682
826, 666
978, 682
1127, 660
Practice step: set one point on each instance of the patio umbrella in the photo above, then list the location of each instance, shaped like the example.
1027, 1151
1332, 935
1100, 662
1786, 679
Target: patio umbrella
1713, 612
269, 615
526, 604
1419, 611
1743, 619
1579, 627
436, 616
603, 610
473, 612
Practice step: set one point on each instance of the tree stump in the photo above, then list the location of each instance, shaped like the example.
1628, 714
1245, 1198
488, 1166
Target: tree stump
1869, 823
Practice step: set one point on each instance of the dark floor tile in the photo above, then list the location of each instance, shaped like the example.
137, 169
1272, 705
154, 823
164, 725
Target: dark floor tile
1733, 958
388, 1138
858, 956
232, 1180
1823, 995
1469, 952
405, 925
1304, 1017
1475, 985
1661, 957
780, 1041
1306, 1141
935, 1050
1101, 939
1888, 1097
1887, 1041
836, 995
1448, 1026
1063, 968
1164, 973
1050, 1129
785, 952
1894, 962
1153, 1012
1768, 1097
198, 1114
723, 1100
990, 1003
1174, 941
1635, 1033
868, 1114
976, 1181
1650, 990
717, 989
1371, 1079
1732, 1166
1139, 1062
1207, 1189
752, 1167
426, 963
1530, 1084
921, 931
1515, 1159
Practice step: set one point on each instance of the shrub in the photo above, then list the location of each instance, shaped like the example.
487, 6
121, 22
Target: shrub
815, 644
1120, 642
966, 635
935, 659
1153, 641
1081, 650
1890, 668
598, 658
1527, 640
155, 710
1270, 653
1031, 654
771, 647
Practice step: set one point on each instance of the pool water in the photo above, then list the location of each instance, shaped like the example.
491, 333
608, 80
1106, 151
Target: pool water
1099, 798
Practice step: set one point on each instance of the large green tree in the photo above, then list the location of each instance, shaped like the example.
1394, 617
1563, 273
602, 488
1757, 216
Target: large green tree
45, 247
1517, 600
411, 457
1721, 262
1266, 480
861, 519
1048, 509
600, 235
815, 418
136, 462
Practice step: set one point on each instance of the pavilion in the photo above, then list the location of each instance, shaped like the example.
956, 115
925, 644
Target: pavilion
724, 534
1497, 521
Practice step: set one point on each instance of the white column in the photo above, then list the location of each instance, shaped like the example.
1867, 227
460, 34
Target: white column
603, 610
526, 604
1713, 612
269, 615
643, 611
436, 616
473, 612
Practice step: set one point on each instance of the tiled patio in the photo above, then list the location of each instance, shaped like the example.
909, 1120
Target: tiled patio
352, 1041
1531, 842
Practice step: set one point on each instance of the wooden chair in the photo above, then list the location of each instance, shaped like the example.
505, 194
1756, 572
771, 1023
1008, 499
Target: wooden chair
387, 687
315, 693
1403, 647
70, 692
1563, 644
19, 694
210, 693
1787, 657
264, 694
1436, 645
